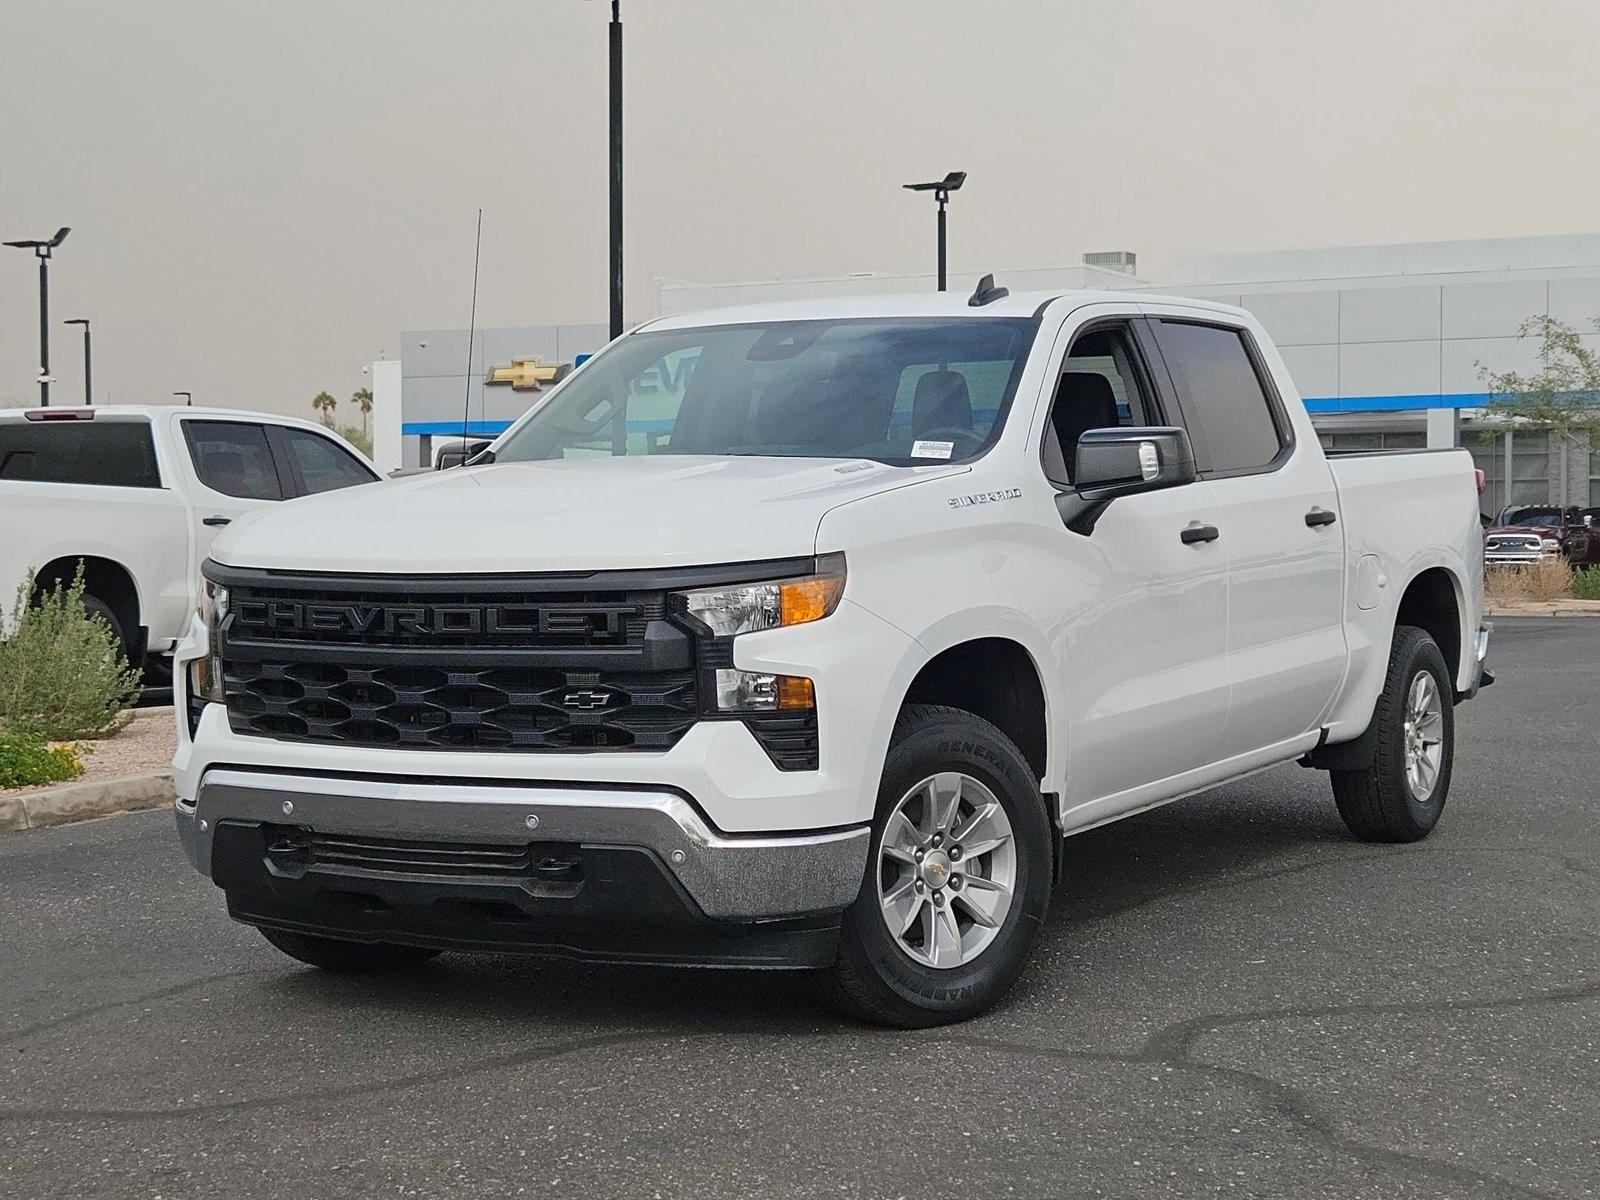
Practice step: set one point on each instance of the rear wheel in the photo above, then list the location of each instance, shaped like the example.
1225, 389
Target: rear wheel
347, 958
97, 607
958, 878
1400, 797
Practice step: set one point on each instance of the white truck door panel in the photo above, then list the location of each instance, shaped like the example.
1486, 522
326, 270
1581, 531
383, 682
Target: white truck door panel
1145, 666
1278, 513
1286, 641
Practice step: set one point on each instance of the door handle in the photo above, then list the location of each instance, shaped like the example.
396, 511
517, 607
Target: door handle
1318, 517
216, 520
1196, 532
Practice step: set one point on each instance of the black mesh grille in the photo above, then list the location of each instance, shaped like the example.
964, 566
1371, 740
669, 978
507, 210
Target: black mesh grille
496, 708
496, 664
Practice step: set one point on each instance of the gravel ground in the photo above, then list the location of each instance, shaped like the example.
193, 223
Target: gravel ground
146, 745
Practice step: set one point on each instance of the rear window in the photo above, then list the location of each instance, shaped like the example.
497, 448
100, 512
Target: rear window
102, 453
1230, 420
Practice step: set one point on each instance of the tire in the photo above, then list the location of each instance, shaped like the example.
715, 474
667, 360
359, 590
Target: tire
1383, 802
885, 977
97, 607
347, 958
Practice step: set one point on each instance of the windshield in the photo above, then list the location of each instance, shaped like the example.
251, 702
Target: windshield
1549, 518
899, 391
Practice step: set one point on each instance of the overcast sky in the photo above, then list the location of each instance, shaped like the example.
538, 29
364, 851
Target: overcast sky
263, 195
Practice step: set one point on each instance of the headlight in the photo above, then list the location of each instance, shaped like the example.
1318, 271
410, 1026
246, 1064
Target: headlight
205, 674
1551, 546
750, 607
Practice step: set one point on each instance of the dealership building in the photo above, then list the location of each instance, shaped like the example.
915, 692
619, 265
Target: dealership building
1388, 345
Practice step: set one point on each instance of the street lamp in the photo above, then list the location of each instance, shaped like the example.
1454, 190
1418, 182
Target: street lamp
188, 398
41, 251
88, 368
616, 169
941, 189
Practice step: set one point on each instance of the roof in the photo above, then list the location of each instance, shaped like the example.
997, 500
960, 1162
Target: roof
145, 411
917, 304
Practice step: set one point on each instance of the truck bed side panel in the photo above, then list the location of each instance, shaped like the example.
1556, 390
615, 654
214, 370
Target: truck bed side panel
1405, 514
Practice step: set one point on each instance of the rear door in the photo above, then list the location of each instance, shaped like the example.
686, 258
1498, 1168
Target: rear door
1277, 510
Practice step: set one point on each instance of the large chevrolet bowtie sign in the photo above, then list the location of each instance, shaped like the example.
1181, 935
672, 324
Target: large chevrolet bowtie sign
527, 374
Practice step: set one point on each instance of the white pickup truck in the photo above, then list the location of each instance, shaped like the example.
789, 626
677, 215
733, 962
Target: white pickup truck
136, 494
800, 636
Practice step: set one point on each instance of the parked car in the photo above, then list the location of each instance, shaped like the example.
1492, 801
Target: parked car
136, 494
1523, 534
812, 660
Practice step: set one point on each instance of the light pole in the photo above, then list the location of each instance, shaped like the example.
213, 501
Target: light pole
41, 251
616, 169
188, 398
88, 361
941, 189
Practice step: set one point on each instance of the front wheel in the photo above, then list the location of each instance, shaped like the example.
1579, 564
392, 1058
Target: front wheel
958, 877
1400, 797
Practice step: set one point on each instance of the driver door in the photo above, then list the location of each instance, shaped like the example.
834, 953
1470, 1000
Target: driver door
1142, 637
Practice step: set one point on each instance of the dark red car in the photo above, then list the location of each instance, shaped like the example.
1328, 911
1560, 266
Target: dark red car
1525, 533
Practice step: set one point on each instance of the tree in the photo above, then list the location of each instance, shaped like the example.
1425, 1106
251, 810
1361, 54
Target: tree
1564, 395
362, 399
324, 404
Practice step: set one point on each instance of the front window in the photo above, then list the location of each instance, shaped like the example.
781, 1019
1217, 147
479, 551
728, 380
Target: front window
904, 392
1545, 518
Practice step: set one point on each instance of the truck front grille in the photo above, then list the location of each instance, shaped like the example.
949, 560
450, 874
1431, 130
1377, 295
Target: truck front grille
492, 663
531, 663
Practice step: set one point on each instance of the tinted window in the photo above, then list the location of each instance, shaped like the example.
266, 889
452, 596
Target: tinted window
1230, 422
324, 465
233, 458
1098, 389
898, 391
107, 453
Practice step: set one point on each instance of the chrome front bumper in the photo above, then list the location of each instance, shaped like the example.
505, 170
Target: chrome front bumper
730, 878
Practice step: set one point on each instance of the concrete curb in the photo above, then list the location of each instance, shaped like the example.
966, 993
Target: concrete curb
85, 801
1544, 608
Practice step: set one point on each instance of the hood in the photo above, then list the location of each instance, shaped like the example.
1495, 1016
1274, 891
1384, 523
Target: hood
585, 514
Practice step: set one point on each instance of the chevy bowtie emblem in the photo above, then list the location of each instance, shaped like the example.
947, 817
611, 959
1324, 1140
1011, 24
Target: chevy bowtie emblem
586, 701
527, 374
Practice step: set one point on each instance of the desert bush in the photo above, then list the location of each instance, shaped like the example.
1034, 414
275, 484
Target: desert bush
62, 672
1586, 584
1548, 579
26, 759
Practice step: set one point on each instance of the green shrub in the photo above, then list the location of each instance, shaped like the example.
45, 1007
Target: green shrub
26, 760
62, 673
1586, 584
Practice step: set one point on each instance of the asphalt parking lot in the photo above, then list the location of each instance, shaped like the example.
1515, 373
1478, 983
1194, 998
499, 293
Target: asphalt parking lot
1231, 998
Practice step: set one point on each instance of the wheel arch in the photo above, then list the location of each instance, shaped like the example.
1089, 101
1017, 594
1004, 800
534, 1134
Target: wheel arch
104, 578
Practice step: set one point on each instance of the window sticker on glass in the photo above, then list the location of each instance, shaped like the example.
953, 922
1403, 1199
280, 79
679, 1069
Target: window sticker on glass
921, 449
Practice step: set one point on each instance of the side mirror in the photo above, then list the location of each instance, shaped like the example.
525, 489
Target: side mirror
1124, 461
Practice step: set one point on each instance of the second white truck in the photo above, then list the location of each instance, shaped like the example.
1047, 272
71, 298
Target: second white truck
800, 636
134, 494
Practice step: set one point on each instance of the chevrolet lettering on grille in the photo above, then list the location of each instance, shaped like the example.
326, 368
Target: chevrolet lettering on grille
280, 617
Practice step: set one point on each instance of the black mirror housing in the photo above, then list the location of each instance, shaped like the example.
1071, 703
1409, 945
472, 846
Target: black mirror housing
1123, 461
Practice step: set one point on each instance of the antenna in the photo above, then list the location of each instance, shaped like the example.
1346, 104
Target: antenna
472, 333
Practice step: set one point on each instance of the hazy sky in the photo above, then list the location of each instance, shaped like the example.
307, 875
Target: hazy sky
263, 195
